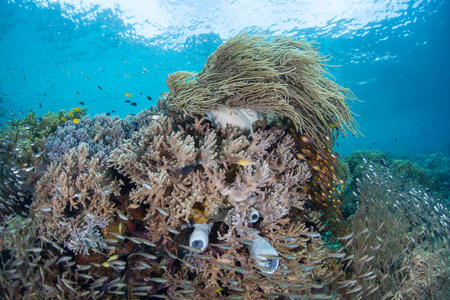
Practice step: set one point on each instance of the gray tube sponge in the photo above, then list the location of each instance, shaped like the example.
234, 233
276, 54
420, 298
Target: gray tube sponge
253, 216
262, 247
200, 236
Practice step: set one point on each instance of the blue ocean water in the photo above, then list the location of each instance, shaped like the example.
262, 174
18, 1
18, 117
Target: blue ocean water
392, 55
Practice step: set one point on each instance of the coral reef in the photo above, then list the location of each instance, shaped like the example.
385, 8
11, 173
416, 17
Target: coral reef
169, 205
401, 167
72, 200
101, 133
124, 229
122, 221
21, 149
397, 246
182, 162
438, 166
412, 171
279, 77
192, 175
21, 260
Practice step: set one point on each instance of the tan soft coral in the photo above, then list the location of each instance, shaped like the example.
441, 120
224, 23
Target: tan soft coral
227, 269
175, 169
73, 200
177, 179
189, 174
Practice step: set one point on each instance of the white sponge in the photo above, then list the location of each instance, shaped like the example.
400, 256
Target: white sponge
262, 247
200, 236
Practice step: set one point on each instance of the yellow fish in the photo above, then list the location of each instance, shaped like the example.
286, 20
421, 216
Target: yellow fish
114, 257
76, 121
301, 156
77, 108
244, 162
71, 114
332, 126
63, 119
128, 95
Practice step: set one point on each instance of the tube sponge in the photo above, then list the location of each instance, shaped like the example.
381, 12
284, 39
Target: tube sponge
253, 215
262, 247
200, 236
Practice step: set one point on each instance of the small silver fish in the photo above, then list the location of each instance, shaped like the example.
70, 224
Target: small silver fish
311, 234
35, 250
69, 284
85, 276
362, 259
159, 280
344, 238
366, 274
83, 267
64, 259
121, 215
346, 283
146, 255
108, 191
78, 195
221, 246
118, 285
142, 288
336, 255
163, 212
192, 249
171, 229
116, 292
117, 235
146, 185
356, 289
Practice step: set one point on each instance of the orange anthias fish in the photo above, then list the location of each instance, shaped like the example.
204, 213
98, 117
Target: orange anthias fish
128, 95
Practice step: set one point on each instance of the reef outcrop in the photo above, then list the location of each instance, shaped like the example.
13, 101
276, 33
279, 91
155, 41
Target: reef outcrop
229, 190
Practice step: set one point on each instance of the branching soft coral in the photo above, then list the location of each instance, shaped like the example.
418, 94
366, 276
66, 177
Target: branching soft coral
72, 195
170, 167
190, 174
